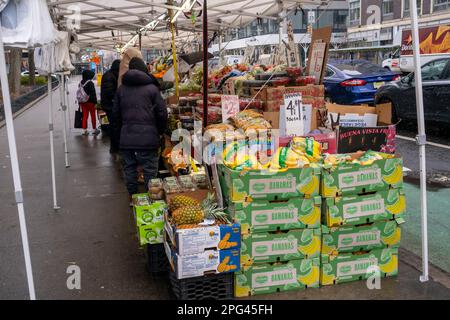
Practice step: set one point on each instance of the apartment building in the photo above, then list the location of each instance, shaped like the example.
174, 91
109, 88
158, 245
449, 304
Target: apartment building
375, 25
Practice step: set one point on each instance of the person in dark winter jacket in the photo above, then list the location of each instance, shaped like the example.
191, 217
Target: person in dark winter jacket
88, 107
141, 117
108, 91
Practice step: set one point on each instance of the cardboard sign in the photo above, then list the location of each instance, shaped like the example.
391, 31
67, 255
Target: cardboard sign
357, 116
362, 139
230, 106
319, 38
291, 115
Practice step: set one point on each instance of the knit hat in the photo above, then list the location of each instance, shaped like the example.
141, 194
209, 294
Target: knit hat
138, 64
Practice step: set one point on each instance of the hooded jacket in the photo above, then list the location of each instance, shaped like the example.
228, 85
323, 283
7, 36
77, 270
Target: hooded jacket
109, 86
89, 88
124, 63
139, 111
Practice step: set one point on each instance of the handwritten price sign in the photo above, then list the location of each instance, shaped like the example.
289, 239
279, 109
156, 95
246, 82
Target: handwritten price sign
230, 106
293, 114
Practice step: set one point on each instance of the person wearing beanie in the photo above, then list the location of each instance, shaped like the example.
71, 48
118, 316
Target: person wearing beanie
140, 115
107, 92
129, 54
88, 107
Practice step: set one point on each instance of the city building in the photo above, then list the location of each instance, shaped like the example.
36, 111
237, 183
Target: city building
375, 26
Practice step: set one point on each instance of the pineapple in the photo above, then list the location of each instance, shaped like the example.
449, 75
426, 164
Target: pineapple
195, 214
188, 215
182, 201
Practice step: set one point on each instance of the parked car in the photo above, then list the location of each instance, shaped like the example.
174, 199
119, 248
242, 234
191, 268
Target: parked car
355, 81
26, 73
436, 93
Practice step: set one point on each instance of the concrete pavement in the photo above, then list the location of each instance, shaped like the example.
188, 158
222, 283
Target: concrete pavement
94, 228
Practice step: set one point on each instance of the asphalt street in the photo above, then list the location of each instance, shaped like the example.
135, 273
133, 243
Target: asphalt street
95, 231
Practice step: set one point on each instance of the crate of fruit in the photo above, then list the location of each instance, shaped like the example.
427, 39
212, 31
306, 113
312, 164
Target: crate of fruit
207, 262
264, 216
376, 235
280, 246
248, 185
361, 173
346, 267
355, 210
276, 277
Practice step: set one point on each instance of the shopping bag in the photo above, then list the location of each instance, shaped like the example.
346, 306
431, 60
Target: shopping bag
78, 119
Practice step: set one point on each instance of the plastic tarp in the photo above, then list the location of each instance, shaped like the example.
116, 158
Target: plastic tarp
54, 57
27, 24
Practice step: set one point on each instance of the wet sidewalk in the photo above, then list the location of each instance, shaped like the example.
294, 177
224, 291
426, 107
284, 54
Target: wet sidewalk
94, 227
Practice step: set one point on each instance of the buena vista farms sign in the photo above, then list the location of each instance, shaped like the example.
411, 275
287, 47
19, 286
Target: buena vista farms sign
350, 139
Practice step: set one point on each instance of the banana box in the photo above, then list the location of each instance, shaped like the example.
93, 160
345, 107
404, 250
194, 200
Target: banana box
249, 185
354, 178
377, 235
198, 239
356, 210
206, 262
273, 247
151, 234
347, 267
276, 277
147, 212
264, 216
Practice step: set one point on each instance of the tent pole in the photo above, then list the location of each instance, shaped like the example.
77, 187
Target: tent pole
205, 63
52, 148
64, 109
15, 169
421, 138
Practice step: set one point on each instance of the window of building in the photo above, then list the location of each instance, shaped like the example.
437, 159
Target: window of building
388, 8
439, 5
406, 10
354, 12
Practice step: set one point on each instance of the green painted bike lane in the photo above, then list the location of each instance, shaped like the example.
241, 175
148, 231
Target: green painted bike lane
438, 224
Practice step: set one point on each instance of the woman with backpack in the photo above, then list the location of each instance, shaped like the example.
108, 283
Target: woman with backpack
87, 99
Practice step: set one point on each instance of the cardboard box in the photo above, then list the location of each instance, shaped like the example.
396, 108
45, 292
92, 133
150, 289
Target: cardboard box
200, 239
265, 216
271, 278
146, 212
356, 210
359, 115
199, 264
151, 234
199, 194
348, 267
354, 179
377, 235
248, 185
272, 247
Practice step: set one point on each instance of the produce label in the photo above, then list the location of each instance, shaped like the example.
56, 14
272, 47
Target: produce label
360, 178
364, 208
355, 267
275, 278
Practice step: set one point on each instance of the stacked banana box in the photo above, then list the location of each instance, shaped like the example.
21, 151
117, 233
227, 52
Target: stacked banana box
279, 214
363, 208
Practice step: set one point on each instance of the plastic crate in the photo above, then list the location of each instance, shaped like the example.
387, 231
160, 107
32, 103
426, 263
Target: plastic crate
156, 259
208, 287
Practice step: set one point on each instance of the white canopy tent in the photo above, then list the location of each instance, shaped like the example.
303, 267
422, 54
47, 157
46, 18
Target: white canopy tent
111, 24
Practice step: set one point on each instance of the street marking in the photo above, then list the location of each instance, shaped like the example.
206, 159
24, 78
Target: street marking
438, 145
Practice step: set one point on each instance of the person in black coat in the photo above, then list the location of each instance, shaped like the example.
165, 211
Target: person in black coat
88, 107
108, 91
140, 115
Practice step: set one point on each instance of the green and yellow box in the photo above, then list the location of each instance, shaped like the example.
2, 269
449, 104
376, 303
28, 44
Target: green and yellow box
249, 185
285, 246
354, 178
151, 234
346, 267
265, 216
356, 210
377, 235
270, 278
147, 212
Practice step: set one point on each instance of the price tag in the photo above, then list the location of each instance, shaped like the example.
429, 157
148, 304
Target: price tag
230, 106
293, 114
